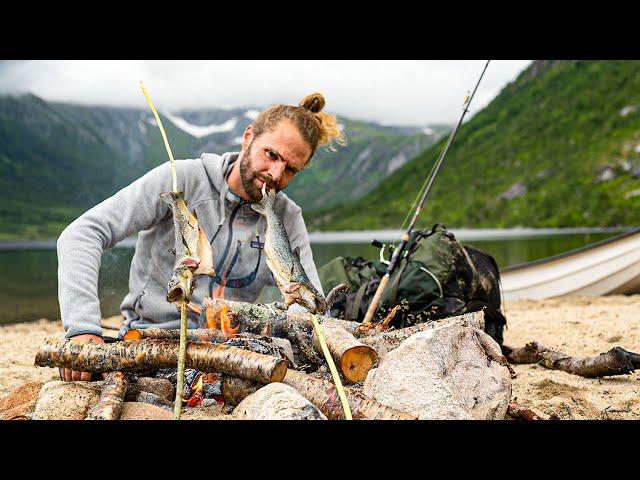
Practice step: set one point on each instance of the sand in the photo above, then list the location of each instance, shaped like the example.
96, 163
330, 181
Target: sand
580, 326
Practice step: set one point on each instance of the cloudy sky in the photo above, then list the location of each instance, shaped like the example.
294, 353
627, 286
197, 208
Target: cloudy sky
399, 92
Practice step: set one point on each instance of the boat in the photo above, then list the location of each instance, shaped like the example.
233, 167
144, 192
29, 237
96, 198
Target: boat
611, 266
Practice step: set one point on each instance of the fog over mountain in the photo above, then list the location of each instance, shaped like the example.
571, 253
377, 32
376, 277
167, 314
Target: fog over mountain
394, 92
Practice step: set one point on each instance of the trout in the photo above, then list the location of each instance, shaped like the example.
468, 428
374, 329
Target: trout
192, 249
291, 279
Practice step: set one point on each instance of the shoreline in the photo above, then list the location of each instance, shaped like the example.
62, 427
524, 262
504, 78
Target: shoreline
578, 326
365, 236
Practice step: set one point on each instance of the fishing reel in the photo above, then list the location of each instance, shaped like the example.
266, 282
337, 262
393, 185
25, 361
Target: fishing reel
383, 247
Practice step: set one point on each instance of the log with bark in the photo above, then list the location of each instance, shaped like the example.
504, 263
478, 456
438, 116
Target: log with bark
147, 355
386, 341
352, 357
616, 361
193, 335
322, 393
298, 327
111, 399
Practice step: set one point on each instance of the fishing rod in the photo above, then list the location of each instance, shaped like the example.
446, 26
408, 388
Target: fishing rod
399, 251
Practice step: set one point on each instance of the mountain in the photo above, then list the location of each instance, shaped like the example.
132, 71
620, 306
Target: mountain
558, 147
57, 159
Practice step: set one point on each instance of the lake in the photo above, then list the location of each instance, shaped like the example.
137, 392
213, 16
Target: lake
28, 270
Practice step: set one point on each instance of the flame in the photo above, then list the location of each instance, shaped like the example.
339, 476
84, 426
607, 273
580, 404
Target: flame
196, 397
225, 322
220, 317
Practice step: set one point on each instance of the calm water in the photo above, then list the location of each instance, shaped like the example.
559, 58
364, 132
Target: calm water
28, 278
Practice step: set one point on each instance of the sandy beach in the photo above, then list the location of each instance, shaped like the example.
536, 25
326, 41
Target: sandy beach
580, 326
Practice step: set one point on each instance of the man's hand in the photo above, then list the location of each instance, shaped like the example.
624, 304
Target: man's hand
67, 374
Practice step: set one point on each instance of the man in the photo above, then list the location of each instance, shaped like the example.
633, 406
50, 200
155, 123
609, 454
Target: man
275, 148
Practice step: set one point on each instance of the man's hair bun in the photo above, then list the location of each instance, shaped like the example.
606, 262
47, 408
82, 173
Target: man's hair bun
314, 102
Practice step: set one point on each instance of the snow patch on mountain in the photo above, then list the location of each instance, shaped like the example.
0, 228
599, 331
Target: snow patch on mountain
198, 131
251, 114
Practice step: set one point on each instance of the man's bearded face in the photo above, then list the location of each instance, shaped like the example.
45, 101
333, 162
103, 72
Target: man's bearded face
251, 178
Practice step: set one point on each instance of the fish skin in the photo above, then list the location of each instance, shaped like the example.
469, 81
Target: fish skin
192, 249
290, 277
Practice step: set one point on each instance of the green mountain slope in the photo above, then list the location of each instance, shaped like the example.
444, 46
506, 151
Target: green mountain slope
558, 147
57, 160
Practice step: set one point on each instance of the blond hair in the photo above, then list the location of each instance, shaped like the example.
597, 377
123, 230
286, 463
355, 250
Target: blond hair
317, 128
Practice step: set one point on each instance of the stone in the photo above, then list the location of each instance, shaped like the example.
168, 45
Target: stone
277, 401
60, 400
159, 386
450, 372
144, 411
24, 394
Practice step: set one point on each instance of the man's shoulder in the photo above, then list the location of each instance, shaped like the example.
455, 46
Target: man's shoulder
286, 205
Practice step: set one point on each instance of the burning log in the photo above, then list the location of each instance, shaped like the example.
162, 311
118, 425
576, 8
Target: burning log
193, 335
354, 359
109, 404
147, 355
321, 393
389, 340
616, 361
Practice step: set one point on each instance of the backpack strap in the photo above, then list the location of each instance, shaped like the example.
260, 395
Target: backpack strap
353, 314
396, 283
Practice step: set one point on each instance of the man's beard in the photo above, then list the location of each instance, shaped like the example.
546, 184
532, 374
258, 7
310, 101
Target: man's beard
248, 176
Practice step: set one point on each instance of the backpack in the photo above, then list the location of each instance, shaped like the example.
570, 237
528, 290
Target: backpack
438, 277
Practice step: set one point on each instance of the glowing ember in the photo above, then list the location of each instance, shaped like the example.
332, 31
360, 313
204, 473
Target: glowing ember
196, 396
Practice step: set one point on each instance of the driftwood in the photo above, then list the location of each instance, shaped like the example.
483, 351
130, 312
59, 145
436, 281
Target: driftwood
352, 357
147, 355
616, 361
390, 340
109, 404
322, 393
193, 335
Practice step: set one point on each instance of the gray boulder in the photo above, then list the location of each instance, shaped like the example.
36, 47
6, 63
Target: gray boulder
277, 401
450, 372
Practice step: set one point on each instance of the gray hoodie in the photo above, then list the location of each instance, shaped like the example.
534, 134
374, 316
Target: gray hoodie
235, 230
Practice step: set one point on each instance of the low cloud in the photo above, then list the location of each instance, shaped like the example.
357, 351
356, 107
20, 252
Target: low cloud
395, 92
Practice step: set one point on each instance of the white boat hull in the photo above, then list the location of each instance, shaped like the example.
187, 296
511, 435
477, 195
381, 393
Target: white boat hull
610, 266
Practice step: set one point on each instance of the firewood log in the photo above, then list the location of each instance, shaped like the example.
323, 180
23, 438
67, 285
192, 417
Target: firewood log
193, 335
109, 404
352, 357
616, 361
387, 341
147, 355
321, 393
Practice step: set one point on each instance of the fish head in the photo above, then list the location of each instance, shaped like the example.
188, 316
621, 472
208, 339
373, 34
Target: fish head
180, 285
305, 297
267, 202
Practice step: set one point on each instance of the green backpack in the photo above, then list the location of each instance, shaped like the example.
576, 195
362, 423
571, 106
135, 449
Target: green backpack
417, 281
437, 277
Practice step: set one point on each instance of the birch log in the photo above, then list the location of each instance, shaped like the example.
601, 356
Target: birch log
352, 357
321, 393
148, 355
111, 399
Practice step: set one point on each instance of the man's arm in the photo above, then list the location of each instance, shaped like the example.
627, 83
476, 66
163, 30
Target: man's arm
80, 246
